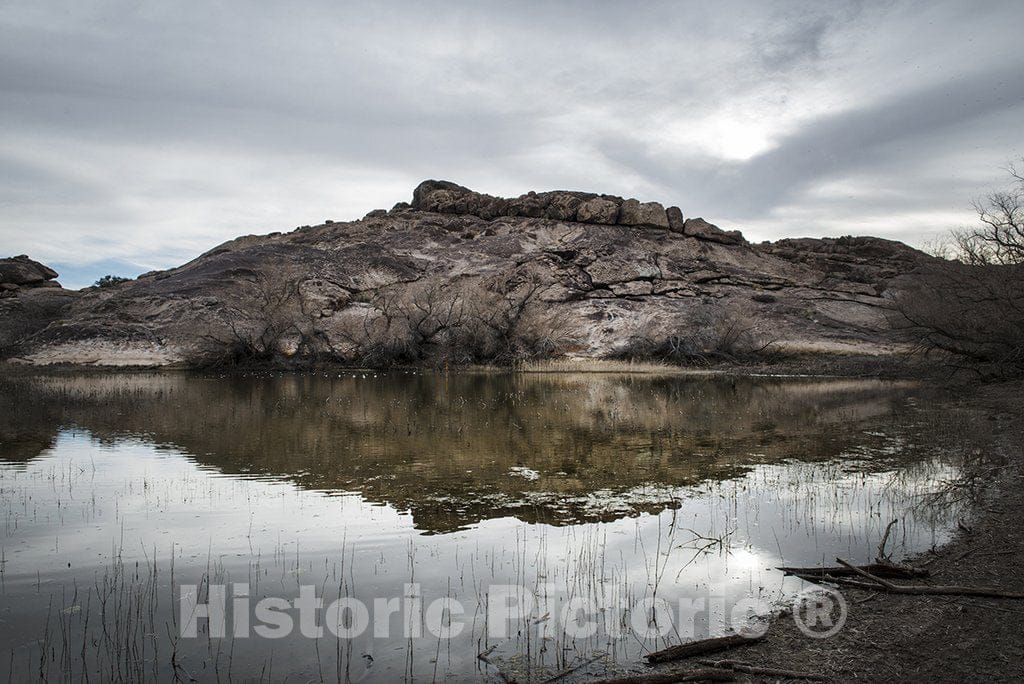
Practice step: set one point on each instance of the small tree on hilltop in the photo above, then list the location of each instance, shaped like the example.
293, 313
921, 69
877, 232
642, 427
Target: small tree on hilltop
110, 281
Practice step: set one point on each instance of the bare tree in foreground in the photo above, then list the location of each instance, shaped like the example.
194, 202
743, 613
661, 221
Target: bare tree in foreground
1000, 237
971, 306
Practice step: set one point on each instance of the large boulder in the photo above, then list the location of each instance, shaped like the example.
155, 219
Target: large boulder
446, 197
702, 230
21, 270
598, 210
650, 214
676, 222
530, 205
430, 193
490, 207
564, 206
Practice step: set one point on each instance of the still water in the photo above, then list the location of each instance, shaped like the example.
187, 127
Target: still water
128, 500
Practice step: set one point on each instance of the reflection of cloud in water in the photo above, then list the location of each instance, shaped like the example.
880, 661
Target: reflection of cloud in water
361, 487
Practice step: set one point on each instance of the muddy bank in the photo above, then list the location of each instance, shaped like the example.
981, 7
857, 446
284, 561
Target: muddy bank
888, 637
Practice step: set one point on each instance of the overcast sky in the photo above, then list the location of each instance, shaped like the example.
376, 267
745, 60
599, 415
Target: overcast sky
135, 135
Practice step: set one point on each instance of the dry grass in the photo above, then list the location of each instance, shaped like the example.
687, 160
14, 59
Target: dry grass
589, 365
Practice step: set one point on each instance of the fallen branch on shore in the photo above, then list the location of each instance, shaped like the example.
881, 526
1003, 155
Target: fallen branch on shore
484, 657
707, 674
877, 583
569, 670
764, 671
702, 647
713, 671
890, 570
882, 567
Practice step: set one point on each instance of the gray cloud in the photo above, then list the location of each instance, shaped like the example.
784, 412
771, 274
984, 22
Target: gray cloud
895, 133
143, 133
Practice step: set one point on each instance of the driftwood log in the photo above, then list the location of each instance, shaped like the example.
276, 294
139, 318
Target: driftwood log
706, 674
878, 584
695, 648
763, 671
889, 570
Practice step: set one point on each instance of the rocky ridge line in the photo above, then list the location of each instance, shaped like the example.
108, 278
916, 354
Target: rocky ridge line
445, 197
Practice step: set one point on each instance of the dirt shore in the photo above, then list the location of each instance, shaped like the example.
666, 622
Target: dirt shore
908, 638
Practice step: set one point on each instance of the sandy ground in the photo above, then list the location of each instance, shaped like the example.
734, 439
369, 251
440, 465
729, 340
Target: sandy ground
102, 353
903, 638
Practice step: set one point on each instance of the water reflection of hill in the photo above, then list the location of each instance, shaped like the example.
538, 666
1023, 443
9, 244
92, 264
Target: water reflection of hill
454, 450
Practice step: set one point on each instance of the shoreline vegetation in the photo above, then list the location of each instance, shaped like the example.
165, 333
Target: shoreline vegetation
819, 366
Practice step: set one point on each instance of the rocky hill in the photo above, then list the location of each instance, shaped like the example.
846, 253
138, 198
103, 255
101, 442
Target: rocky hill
457, 276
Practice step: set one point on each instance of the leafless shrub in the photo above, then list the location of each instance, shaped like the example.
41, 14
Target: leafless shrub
430, 311
510, 325
268, 327
455, 323
404, 324
710, 335
431, 321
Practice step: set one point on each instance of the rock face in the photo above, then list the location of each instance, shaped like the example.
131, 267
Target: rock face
869, 260
470, 276
20, 272
675, 219
30, 300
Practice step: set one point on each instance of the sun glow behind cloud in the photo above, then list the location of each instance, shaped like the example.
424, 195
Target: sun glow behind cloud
720, 137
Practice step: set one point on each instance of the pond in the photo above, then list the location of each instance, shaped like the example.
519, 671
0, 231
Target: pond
360, 526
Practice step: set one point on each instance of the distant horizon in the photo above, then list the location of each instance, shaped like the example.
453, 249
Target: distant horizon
136, 137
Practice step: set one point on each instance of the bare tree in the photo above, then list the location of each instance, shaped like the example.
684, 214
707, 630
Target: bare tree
999, 239
374, 339
972, 312
270, 324
709, 334
971, 306
431, 310
508, 322
406, 323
